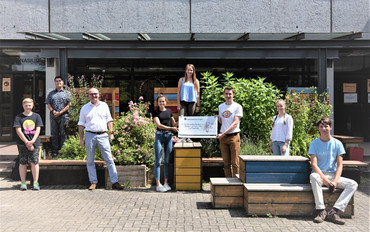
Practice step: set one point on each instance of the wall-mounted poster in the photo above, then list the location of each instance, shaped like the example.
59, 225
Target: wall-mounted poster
7, 84
368, 85
349, 87
368, 98
350, 98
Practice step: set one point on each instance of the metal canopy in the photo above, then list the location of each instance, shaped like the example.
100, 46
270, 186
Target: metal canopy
192, 36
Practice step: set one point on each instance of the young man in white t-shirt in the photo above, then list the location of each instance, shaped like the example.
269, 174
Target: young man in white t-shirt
327, 164
229, 115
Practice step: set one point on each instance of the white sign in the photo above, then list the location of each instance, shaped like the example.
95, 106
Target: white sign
368, 98
198, 127
350, 98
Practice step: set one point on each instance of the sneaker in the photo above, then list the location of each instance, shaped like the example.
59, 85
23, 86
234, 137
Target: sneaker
117, 186
335, 218
36, 186
23, 186
187, 140
320, 217
181, 140
167, 187
161, 188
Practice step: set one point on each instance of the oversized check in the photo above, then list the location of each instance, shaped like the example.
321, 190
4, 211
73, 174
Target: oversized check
198, 126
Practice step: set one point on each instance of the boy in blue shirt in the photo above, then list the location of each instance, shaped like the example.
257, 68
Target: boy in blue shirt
327, 164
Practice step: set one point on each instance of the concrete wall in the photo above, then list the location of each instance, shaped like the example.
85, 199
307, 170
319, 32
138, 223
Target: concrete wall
178, 16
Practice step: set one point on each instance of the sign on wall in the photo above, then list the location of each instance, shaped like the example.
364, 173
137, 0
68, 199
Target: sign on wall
350, 98
368, 85
349, 87
7, 84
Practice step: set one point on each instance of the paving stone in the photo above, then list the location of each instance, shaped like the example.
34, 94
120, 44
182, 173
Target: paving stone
66, 208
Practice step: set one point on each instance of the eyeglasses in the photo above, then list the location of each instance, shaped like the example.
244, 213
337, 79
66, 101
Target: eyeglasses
92, 94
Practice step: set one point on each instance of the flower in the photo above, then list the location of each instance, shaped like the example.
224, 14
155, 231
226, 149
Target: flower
141, 98
135, 143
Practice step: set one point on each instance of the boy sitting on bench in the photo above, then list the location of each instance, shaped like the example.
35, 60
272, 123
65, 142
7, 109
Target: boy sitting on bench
327, 164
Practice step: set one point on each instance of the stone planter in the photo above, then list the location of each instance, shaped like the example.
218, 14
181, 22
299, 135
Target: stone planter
131, 175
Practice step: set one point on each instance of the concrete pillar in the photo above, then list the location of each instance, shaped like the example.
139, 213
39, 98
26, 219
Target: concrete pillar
330, 88
51, 71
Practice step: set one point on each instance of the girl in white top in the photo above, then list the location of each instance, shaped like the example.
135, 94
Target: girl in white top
282, 130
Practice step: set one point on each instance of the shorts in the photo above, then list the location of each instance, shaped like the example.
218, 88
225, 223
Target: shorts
26, 156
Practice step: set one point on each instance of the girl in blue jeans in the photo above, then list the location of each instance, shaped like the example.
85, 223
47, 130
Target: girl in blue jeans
165, 124
282, 130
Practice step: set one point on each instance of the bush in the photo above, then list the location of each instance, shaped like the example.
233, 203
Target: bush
79, 89
306, 111
72, 150
255, 96
134, 136
249, 147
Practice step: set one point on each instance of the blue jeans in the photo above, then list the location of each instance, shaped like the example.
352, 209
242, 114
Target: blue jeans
166, 139
102, 141
276, 148
58, 128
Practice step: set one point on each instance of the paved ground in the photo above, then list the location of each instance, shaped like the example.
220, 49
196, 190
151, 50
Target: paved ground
73, 208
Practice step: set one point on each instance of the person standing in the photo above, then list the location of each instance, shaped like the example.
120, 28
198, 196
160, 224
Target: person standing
58, 102
282, 130
28, 126
229, 115
188, 97
95, 119
165, 122
326, 155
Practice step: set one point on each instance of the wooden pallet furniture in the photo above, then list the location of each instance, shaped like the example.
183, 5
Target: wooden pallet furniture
273, 185
287, 200
227, 193
171, 94
188, 169
111, 97
274, 169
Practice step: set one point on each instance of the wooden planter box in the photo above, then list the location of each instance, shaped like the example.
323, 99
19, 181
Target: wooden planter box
131, 175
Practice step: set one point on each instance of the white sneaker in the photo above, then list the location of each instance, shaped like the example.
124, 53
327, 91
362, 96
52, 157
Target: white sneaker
188, 140
167, 187
161, 188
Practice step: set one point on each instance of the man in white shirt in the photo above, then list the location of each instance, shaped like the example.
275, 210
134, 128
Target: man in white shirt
94, 118
229, 115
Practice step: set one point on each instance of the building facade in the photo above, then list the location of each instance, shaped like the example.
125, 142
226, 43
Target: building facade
145, 44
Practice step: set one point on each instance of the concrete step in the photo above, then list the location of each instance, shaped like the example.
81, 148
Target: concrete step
10, 157
6, 172
7, 164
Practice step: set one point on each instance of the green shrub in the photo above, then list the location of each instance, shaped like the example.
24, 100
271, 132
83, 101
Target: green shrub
72, 150
306, 111
134, 136
79, 89
255, 96
249, 147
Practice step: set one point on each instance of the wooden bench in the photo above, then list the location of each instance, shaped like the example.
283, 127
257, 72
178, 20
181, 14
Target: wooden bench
226, 192
272, 187
45, 145
287, 200
274, 169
